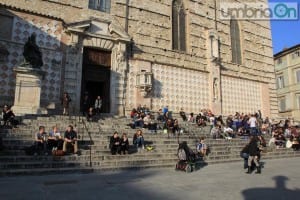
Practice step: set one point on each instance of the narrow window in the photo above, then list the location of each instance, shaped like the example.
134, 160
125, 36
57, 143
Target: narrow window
282, 105
235, 42
298, 75
178, 26
280, 82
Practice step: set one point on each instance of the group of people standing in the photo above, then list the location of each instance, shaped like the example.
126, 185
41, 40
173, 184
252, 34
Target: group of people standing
88, 107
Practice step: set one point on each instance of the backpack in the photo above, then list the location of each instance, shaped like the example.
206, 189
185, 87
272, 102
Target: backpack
181, 154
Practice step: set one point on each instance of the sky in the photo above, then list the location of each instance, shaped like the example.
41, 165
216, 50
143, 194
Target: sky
285, 34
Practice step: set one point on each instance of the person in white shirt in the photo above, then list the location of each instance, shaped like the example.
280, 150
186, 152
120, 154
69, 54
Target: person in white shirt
228, 132
55, 140
253, 123
98, 105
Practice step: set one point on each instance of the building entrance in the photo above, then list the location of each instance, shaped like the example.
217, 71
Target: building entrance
96, 77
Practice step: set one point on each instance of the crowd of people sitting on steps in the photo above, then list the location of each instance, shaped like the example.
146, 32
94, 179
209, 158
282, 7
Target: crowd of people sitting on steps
143, 118
121, 145
284, 134
54, 142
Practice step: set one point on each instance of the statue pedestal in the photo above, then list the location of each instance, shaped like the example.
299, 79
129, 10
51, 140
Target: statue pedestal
28, 91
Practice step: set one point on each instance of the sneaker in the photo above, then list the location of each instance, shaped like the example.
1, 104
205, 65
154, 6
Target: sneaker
143, 147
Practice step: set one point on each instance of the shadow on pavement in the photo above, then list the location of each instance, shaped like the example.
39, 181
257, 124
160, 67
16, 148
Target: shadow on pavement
280, 192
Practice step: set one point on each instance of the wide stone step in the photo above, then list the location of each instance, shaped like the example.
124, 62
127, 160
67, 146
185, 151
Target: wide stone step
44, 171
42, 164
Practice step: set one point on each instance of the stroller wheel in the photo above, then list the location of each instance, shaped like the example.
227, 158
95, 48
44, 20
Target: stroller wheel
188, 168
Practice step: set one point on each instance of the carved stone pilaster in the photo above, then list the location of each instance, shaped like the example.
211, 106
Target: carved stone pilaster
214, 66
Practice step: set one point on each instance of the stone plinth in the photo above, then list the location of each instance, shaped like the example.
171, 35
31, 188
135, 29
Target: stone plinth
28, 91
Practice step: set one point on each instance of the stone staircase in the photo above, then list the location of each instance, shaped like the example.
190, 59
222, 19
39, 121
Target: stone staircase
95, 154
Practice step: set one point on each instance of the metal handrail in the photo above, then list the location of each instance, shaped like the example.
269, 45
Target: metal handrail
90, 137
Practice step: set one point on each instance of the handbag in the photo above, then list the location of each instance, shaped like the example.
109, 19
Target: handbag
58, 152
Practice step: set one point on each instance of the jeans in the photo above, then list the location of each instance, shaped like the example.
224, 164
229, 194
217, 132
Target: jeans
139, 123
253, 131
245, 156
139, 142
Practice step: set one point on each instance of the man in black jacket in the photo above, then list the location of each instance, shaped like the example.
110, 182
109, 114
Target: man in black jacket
253, 152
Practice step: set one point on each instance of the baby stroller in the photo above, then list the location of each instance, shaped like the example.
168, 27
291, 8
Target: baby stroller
186, 158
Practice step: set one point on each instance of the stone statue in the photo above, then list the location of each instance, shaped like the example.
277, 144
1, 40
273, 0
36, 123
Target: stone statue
216, 89
32, 53
120, 58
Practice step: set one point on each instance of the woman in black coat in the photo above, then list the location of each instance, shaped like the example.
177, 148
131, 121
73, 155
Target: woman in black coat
253, 152
114, 144
124, 144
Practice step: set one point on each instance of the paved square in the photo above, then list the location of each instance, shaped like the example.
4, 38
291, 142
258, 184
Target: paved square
280, 179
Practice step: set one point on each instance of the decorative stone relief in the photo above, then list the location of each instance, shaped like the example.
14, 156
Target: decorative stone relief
179, 88
240, 95
216, 89
120, 57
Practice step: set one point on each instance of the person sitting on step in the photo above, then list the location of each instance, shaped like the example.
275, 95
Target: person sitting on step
124, 144
138, 120
70, 139
202, 147
114, 144
216, 132
182, 115
40, 143
90, 115
9, 117
138, 139
228, 132
55, 140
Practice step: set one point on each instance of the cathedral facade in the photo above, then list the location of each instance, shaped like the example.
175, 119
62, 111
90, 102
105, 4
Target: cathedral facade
151, 52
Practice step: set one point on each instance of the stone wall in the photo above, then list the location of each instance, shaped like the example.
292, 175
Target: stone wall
151, 32
174, 87
149, 24
48, 33
240, 95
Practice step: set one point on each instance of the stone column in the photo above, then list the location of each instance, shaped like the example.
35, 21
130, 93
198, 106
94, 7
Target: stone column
119, 72
28, 91
214, 63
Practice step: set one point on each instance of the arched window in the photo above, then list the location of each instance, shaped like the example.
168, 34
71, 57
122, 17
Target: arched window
178, 26
235, 42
